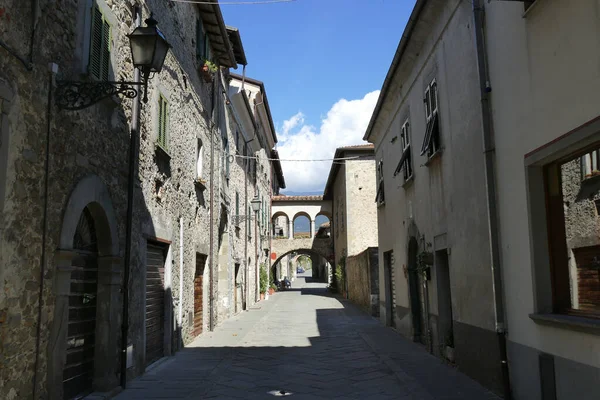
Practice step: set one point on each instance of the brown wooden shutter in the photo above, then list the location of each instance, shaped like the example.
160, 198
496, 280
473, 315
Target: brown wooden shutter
155, 302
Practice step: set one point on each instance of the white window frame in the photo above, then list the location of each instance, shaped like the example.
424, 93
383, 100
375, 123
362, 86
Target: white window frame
590, 164
405, 139
199, 159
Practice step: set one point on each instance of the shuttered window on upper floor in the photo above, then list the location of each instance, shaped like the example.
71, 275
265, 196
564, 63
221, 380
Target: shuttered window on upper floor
163, 123
100, 48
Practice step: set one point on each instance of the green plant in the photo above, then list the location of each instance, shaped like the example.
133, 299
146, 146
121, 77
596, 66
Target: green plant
264, 279
340, 275
212, 67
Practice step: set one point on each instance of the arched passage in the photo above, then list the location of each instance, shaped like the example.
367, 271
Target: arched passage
284, 265
323, 225
302, 224
280, 225
83, 349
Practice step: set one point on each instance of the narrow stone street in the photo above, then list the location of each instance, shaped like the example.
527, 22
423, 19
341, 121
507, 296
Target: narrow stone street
306, 344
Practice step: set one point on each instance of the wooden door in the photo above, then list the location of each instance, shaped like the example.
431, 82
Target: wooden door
198, 294
155, 302
78, 371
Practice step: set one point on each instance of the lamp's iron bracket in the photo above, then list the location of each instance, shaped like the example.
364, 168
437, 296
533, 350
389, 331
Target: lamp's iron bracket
73, 95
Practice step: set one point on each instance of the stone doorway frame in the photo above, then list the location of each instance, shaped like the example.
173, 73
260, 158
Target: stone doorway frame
90, 192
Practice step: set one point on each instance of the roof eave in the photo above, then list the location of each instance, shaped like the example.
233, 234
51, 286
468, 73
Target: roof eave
226, 56
406, 35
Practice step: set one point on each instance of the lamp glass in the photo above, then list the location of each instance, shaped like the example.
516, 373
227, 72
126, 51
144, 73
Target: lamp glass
255, 204
148, 48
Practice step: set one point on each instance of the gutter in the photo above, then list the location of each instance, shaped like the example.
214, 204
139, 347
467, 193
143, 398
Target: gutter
408, 31
489, 152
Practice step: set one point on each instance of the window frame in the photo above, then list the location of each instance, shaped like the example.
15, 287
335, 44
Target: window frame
432, 142
588, 162
199, 158
405, 163
549, 250
380, 200
162, 123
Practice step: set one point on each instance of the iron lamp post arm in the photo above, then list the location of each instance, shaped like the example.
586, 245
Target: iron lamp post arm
77, 95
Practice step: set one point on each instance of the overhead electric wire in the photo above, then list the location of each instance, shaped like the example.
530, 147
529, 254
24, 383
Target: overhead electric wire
234, 3
302, 160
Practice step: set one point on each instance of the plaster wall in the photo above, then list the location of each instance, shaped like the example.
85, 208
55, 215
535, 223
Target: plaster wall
544, 74
361, 209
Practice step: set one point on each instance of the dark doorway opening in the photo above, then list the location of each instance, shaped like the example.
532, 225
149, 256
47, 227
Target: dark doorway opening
415, 290
445, 329
389, 289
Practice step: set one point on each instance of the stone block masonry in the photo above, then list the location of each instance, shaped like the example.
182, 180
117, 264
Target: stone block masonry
87, 203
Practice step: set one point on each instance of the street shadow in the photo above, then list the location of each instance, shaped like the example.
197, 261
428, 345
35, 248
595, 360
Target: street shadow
352, 356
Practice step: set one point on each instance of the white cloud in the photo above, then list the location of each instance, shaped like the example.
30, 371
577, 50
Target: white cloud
345, 124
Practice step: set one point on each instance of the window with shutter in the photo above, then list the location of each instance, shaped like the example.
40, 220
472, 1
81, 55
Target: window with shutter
405, 162
99, 62
199, 39
431, 143
163, 122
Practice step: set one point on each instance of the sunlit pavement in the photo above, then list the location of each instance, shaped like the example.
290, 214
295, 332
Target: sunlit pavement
305, 344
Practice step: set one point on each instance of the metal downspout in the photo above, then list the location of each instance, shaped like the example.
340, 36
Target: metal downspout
133, 154
211, 210
490, 177
53, 71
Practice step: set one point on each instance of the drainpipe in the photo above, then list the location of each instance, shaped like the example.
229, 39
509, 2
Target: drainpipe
180, 316
246, 227
211, 210
133, 154
490, 177
53, 72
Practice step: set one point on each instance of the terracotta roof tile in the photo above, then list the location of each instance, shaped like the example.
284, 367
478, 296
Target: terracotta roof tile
296, 198
358, 146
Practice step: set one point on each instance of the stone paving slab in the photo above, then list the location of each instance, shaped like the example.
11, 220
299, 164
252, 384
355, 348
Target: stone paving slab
311, 345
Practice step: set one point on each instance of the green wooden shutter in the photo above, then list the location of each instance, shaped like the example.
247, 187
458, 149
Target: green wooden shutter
99, 62
95, 62
105, 50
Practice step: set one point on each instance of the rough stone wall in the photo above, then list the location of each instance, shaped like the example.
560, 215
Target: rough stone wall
92, 141
95, 141
362, 275
581, 219
360, 205
338, 221
358, 280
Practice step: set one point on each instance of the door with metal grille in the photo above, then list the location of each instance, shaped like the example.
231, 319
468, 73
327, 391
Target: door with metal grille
78, 372
155, 301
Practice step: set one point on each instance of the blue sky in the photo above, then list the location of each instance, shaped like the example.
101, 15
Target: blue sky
322, 62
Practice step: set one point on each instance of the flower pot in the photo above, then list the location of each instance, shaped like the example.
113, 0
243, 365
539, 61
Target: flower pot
262, 296
271, 291
206, 74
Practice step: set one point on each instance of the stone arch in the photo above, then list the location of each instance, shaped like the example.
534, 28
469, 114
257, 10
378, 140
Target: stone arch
303, 251
310, 222
286, 229
91, 194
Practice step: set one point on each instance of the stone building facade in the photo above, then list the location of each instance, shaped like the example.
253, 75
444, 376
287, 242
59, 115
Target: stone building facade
63, 196
351, 189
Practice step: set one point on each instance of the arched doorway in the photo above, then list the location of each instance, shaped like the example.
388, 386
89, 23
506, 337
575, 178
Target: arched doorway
84, 343
78, 371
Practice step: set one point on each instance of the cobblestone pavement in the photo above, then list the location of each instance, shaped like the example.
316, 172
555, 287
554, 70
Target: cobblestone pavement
304, 344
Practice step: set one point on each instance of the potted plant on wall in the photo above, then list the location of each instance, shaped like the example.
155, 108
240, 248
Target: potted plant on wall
208, 70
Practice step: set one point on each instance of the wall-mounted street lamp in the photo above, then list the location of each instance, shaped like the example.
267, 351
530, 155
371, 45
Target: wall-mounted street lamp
148, 51
255, 204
